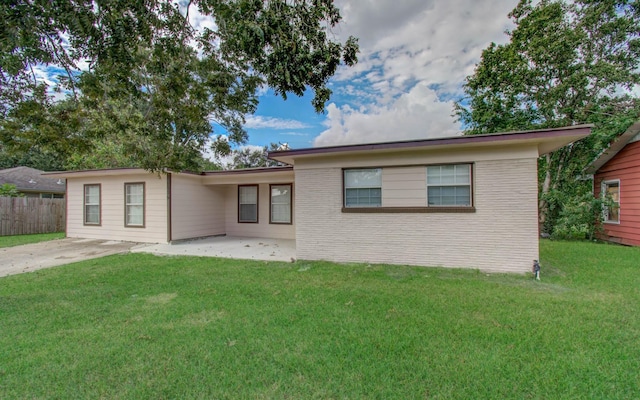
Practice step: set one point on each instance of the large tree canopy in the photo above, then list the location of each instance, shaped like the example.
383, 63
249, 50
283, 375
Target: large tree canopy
149, 75
565, 63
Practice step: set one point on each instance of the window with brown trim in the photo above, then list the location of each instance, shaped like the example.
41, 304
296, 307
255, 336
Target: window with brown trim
134, 204
248, 203
92, 211
363, 187
449, 185
611, 195
280, 204
449, 189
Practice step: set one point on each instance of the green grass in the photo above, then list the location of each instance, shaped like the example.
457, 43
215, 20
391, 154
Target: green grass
140, 326
16, 240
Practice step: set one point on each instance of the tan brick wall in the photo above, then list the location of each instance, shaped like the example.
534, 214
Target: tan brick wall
502, 235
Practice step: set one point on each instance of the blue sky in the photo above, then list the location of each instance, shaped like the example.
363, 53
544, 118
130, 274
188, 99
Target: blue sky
414, 57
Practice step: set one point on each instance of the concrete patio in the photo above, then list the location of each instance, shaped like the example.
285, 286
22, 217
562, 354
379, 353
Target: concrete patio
227, 247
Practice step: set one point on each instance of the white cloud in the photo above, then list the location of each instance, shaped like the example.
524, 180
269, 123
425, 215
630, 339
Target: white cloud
261, 122
409, 49
415, 115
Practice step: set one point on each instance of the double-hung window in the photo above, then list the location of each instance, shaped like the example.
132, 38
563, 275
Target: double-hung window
248, 203
449, 185
134, 204
611, 193
363, 187
280, 204
92, 204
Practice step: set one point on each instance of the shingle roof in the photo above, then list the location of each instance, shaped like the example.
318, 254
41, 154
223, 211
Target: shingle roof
30, 180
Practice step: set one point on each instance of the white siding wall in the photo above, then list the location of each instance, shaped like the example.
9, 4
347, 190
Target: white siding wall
502, 235
263, 228
404, 187
112, 206
196, 210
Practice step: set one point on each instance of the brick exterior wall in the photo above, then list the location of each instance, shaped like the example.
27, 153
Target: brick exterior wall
501, 235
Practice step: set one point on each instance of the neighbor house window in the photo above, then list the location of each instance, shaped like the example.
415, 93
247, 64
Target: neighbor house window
611, 193
248, 203
363, 187
51, 196
134, 204
92, 204
280, 204
449, 185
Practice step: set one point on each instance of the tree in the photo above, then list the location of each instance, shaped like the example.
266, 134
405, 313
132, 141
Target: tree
151, 76
253, 158
9, 190
33, 157
565, 63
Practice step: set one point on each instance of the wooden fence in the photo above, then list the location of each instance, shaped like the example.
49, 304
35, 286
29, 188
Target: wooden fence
26, 215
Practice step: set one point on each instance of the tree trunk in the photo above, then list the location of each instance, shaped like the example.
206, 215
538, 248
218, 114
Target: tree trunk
543, 205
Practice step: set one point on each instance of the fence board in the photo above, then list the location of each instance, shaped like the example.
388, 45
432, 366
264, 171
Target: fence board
27, 215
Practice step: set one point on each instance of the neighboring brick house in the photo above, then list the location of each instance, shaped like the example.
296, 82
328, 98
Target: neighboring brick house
616, 172
31, 183
464, 201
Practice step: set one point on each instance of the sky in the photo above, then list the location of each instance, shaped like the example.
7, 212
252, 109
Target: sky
414, 57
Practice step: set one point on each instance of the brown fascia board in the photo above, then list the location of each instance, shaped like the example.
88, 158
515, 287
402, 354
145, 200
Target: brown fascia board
115, 171
490, 138
248, 170
118, 171
613, 149
92, 172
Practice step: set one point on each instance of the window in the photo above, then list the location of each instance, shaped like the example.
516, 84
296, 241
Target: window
449, 185
248, 203
51, 196
134, 204
280, 204
611, 194
92, 204
363, 187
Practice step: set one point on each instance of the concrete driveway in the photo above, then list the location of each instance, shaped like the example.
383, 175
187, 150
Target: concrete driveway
30, 257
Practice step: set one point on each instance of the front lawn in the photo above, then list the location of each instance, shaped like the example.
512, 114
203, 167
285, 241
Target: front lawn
141, 326
16, 240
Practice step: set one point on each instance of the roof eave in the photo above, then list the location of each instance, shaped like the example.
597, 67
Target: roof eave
94, 172
614, 148
546, 140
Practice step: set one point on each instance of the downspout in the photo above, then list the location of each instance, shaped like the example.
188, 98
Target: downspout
169, 207
66, 207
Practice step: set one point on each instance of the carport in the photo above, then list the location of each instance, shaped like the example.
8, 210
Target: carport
266, 249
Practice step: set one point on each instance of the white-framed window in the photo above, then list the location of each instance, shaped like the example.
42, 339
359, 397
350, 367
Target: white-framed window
134, 204
92, 204
611, 194
280, 211
248, 203
449, 185
363, 187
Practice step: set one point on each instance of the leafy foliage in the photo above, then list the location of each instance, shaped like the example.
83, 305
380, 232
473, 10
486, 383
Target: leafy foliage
9, 190
254, 158
566, 63
153, 79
